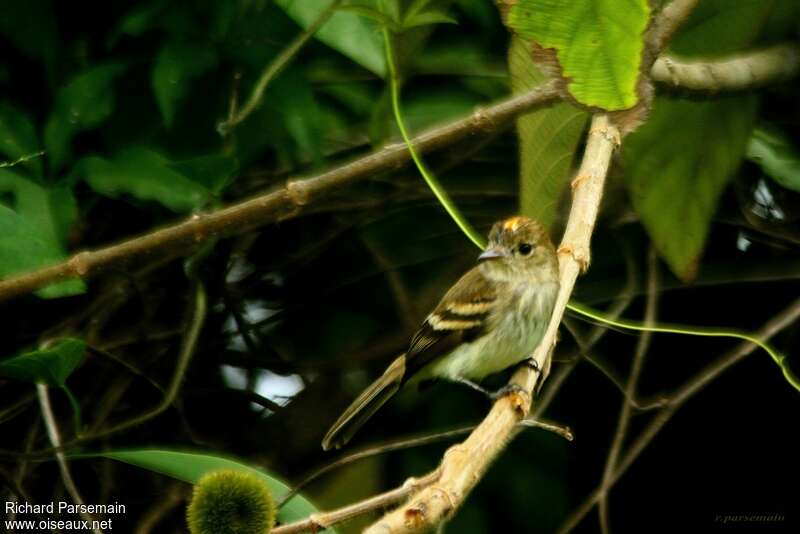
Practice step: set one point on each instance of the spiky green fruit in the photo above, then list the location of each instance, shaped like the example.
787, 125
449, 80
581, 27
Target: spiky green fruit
231, 502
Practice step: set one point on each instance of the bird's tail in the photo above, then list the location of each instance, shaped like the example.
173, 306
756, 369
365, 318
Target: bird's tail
361, 409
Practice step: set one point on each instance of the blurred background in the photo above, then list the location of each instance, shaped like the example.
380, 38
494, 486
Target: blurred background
127, 98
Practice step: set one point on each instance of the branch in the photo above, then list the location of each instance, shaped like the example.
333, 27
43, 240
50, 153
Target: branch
464, 464
708, 374
738, 72
328, 519
284, 203
669, 19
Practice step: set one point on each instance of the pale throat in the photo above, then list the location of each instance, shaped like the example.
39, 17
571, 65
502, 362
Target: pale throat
530, 272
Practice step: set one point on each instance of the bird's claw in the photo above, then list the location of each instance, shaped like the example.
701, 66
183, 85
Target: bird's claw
508, 389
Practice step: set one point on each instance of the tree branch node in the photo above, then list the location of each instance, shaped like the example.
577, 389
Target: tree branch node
297, 192
580, 255
482, 120
79, 263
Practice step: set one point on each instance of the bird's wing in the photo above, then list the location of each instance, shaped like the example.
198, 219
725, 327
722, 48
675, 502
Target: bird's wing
460, 317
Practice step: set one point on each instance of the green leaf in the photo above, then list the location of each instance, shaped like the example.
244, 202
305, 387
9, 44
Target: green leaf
422, 13
721, 27
31, 26
548, 139
143, 174
677, 165
84, 103
427, 18
291, 98
50, 366
34, 229
18, 138
189, 467
459, 57
137, 21
776, 157
598, 43
214, 171
349, 33
481, 12
175, 68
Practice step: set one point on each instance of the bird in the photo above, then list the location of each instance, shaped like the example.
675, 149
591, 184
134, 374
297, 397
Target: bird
491, 319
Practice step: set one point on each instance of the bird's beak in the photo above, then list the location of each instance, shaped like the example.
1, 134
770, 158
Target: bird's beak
491, 253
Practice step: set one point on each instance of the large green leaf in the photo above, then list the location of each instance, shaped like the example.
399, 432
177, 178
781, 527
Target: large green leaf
548, 139
31, 26
777, 158
84, 103
347, 32
190, 467
34, 229
18, 138
50, 366
143, 174
290, 97
598, 43
676, 167
722, 27
175, 68
213, 171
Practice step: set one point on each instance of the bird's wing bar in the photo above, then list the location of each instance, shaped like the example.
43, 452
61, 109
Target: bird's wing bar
460, 317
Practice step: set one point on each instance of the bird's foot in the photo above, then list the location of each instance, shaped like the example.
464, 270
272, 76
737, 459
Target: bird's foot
476, 387
508, 389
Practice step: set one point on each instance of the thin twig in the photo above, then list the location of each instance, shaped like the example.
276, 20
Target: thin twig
669, 19
55, 440
327, 519
642, 346
709, 373
284, 203
21, 159
273, 69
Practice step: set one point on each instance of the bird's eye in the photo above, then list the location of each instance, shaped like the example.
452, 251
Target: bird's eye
525, 249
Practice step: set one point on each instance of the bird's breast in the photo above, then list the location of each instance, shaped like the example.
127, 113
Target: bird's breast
513, 332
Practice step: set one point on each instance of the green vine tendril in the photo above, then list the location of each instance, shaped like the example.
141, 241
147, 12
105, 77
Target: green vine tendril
463, 224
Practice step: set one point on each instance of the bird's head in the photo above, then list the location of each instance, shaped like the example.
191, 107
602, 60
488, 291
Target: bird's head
519, 248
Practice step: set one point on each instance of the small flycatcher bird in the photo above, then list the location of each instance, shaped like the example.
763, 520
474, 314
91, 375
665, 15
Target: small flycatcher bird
491, 319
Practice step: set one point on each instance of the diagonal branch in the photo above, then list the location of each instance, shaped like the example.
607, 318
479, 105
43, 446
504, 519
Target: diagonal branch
283, 203
326, 519
463, 465
743, 71
669, 19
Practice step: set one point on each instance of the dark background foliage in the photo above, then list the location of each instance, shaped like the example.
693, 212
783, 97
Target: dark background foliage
303, 313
